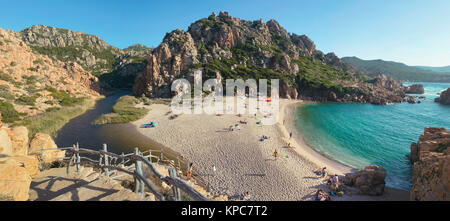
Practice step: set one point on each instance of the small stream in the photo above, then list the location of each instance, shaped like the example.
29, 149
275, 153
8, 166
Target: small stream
119, 137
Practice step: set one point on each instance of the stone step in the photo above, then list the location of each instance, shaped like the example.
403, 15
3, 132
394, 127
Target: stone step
101, 189
51, 183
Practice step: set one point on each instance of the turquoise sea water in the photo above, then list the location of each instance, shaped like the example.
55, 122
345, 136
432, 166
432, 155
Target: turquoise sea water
361, 134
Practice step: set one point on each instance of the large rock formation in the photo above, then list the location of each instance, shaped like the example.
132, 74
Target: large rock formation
444, 97
30, 163
16, 166
41, 140
174, 56
19, 140
14, 182
90, 52
431, 159
28, 80
5, 142
415, 89
93, 53
369, 181
237, 48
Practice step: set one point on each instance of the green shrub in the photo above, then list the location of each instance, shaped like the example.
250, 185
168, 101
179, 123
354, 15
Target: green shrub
64, 98
30, 79
9, 114
5, 93
123, 112
32, 69
39, 61
27, 100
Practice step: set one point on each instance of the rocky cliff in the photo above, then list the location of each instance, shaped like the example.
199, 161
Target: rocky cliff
431, 159
444, 98
234, 48
31, 83
89, 51
19, 160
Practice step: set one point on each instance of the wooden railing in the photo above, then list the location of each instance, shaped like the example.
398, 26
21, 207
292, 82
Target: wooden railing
109, 162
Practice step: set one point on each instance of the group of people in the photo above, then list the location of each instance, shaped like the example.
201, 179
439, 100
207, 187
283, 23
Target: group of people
333, 185
334, 179
322, 196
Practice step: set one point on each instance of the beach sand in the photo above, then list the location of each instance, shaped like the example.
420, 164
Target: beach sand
243, 162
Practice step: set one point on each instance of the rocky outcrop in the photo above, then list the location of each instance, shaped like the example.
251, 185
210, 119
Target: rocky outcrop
410, 99
90, 48
444, 98
41, 140
89, 52
251, 49
415, 89
431, 159
5, 142
30, 163
172, 58
287, 91
32, 77
369, 181
19, 140
16, 166
14, 182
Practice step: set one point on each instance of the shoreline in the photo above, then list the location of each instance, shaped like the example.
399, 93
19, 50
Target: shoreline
244, 162
308, 152
286, 124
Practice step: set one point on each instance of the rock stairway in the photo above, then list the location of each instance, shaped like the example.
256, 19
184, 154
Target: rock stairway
56, 185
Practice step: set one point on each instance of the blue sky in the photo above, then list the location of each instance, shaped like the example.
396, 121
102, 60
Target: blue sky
410, 31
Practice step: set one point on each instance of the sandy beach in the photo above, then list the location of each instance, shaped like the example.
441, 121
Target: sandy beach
243, 162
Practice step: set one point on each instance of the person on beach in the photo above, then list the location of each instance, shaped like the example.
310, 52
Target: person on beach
190, 171
275, 154
323, 172
290, 135
318, 195
214, 169
335, 179
322, 196
246, 196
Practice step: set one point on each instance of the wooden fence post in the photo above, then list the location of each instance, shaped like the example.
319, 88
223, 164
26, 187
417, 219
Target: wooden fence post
70, 162
139, 185
176, 190
105, 148
78, 158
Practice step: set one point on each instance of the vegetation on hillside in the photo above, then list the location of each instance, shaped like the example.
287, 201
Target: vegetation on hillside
71, 53
54, 119
9, 114
396, 70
